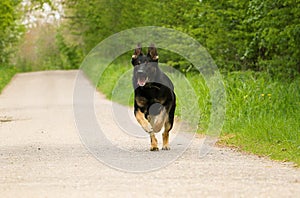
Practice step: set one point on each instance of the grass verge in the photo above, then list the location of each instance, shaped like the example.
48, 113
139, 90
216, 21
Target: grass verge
6, 74
263, 115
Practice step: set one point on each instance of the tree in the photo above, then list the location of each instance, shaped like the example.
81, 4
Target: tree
276, 36
240, 35
11, 30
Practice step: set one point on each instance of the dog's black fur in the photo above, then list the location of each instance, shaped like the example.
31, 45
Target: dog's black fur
154, 97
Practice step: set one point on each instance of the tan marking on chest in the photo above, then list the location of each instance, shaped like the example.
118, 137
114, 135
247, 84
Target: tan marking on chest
141, 101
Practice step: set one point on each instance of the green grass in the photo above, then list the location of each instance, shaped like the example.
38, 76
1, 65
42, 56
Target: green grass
262, 114
6, 74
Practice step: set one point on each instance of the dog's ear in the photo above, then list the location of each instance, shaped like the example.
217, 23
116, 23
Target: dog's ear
137, 51
152, 53
137, 55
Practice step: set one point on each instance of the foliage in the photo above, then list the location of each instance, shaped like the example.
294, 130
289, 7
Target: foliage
240, 35
11, 31
274, 45
12, 12
44, 48
69, 54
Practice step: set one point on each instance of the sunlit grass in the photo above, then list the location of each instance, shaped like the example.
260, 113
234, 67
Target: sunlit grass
263, 115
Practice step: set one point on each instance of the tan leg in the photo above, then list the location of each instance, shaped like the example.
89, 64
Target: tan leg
165, 137
153, 142
140, 117
166, 141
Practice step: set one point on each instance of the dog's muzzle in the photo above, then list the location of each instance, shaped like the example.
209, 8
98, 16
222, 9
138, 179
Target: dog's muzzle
142, 78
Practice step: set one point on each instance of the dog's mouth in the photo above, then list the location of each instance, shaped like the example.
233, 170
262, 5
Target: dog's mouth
142, 80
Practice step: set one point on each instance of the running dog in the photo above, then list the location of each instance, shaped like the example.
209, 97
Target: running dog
154, 97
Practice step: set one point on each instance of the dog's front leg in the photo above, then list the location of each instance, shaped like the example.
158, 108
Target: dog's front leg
153, 139
140, 117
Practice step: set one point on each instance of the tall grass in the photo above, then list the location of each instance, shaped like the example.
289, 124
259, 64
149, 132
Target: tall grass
262, 113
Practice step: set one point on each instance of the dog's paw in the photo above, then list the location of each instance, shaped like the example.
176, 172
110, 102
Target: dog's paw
166, 148
154, 149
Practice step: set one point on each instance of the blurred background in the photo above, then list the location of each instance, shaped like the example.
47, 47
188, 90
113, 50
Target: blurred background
240, 35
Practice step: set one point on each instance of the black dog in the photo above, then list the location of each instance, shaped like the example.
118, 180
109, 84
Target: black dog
154, 97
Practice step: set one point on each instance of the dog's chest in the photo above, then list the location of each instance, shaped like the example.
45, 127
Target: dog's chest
149, 91
147, 95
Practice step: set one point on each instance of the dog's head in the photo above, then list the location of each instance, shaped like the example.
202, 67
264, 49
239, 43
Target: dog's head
145, 72
145, 66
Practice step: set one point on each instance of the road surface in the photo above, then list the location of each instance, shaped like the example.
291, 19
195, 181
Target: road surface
42, 154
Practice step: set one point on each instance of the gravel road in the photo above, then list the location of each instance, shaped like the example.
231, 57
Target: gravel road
41, 153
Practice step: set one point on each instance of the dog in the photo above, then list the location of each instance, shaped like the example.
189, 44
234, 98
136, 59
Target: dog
154, 97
